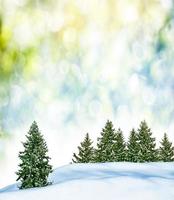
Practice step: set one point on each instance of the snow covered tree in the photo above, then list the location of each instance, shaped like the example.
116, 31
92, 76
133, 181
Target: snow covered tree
86, 151
104, 151
166, 150
147, 152
119, 147
34, 166
132, 147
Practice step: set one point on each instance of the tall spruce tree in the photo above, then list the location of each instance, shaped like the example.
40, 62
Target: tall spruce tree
119, 147
133, 147
34, 166
147, 152
104, 151
166, 150
86, 152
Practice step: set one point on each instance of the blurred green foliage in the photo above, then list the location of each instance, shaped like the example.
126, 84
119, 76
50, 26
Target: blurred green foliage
83, 41
12, 58
14, 62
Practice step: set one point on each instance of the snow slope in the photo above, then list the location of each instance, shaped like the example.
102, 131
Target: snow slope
111, 181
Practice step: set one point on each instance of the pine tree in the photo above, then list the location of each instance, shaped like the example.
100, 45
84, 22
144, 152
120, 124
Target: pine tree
147, 152
166, 150
119, 147
104, 151
86, 151
34, 166
133, 147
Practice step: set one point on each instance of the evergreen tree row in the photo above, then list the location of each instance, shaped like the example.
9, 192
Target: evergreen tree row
34, 168
111, 147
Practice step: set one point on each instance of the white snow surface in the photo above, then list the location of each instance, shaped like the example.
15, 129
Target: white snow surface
104, 181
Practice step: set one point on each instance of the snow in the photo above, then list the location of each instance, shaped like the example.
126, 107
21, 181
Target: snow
112, 181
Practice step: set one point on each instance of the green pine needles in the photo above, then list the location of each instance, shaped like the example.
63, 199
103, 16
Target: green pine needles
147, 151
111, 147
133, 148
166, 150
34, 166
86, 151
119, 147
105, 145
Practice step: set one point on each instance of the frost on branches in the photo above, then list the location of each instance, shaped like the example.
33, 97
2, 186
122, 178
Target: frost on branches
34, 166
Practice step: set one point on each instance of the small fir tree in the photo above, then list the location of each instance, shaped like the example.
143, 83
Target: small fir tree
104, 151
34, 166
133, 147
166, 150
86, 151
147, 152
119, 147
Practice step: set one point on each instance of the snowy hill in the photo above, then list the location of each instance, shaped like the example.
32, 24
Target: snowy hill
111, 181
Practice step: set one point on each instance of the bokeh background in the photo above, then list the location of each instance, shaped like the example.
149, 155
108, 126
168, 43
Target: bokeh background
72, 64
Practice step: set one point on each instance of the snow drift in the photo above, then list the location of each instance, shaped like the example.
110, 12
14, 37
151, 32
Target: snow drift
113, 181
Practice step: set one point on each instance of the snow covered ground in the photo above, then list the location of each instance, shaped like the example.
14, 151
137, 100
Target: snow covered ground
107, 181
